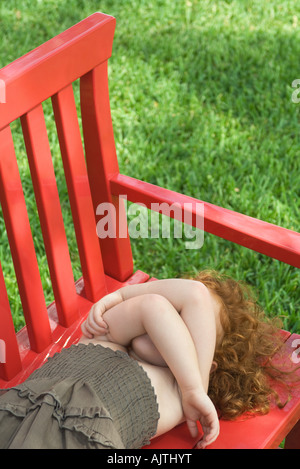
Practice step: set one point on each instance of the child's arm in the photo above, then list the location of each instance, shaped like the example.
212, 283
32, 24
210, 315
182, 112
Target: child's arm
190, 298
153, 315
193, 302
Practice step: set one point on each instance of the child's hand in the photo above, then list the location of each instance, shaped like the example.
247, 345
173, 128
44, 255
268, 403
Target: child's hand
94, 324
198, 406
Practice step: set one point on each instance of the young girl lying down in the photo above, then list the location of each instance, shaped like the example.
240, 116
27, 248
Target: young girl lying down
231, 338
151, 356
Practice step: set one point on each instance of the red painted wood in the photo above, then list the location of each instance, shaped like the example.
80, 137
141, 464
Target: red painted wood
61, 337
178, 438
58, 62
10, 362
101, 164
266, 238
21, 245
52, 225
79, 193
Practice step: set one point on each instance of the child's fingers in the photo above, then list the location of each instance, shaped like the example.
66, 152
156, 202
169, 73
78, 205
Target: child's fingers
90, 330
210, 435
95, 327
97, 316
85, 331
192, 426
91, 327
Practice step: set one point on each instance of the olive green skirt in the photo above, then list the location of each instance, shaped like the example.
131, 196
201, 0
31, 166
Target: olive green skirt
87, 396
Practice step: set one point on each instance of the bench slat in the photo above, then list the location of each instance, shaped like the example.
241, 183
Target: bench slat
52, 225
22, 246
101, 164
79, 193
10, 361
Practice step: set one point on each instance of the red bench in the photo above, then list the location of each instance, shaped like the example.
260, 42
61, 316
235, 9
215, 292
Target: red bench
82, 52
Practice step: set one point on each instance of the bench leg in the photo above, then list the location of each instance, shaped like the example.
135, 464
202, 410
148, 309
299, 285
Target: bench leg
292, 440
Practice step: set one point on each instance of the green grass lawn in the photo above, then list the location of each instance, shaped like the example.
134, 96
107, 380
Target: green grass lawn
201, 104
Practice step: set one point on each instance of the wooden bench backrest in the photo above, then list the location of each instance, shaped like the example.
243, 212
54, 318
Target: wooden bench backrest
49, 71
92, 177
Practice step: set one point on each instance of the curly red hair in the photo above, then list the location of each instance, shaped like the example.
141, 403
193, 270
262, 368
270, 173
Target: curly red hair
241, 382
